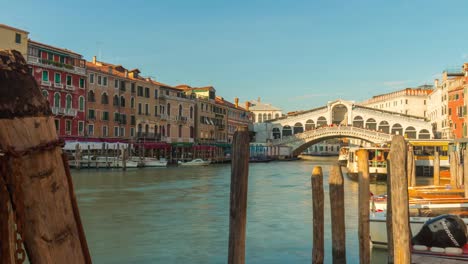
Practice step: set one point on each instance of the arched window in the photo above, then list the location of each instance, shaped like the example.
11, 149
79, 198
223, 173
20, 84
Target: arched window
371, 124
410, 132
384, 127
68, 101
132, 102
45, 94
168, 130
277, 115
180, 110
122, 101
276, 133
115, 101
269, 116
424, 134
140, 128
298, 128
91, 96
191, 112
260, 119
168, 113
397, 129
287, 131
104, 98
57, 100
321, 121
309, 125
265, 117
155, 129
358, 121
81, 103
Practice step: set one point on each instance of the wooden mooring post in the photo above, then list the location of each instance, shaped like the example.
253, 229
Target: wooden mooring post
317, 211
238, 197
364, 211
436, 174
411, 167
398, 188
46, 212
337, 210
453, 169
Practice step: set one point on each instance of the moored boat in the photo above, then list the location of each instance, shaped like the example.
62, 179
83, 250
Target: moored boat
195, 162
377, 163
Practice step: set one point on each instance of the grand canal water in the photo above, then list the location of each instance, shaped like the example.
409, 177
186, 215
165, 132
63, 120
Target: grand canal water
180, 215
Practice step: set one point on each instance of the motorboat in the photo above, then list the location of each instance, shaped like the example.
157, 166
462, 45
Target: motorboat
194, 162
95, 161
150, 162
425, 203
343, 156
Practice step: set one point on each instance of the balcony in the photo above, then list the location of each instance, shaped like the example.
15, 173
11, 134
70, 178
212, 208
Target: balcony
56, 65
70, 87
153, 136
58, 85
45, 83
181, 119
64, 111
164, 117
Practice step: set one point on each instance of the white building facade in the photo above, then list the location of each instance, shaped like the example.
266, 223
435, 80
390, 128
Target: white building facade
262, 112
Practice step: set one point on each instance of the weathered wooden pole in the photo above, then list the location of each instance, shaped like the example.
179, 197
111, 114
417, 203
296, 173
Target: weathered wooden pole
411, 167
453, 169
337, 211
465, 172
7, 230
436, 174
46, 217
399, 201
89, 156
124, 158
77, 156
364, 211
460, 175
318, 211
238, 203
389, 215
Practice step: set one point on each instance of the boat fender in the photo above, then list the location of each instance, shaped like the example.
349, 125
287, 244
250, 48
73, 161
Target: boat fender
442, 231
420, 247
437, 249
454, 251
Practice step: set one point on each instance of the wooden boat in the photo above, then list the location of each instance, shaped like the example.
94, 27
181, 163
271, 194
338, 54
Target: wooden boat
150, 162
195, 162
343, 156
259, 159
377, 163
424, 204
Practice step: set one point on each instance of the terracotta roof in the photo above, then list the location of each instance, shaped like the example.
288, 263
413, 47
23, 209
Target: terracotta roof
15, 29
221, 101
54, 48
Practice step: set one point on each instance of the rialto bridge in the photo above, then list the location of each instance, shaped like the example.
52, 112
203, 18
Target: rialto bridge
339, 119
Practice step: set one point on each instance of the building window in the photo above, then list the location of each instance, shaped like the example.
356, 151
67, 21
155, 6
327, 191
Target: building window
139, 109
104, 98
57, 100
82, 83
191, 112
58, 77
155, 94
116, 117
132, 131
116, 131
116, 83
69, 80
168, 109
45, 94
180, 131
115, 101
45, 76
122, 132
147, 92
99, 80
105, 131
122, 101
81, 103
147, 112
68, 101
105, 116
104, 81
80, 128
91, 78
180, 110
57, 125
168, 130
90, 130
132, 102
18, 38
155, 110
68, 127
139, 91
91, 114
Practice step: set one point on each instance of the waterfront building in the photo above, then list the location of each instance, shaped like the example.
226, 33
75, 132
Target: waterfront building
262, 112
205, 126
109, 112
408, 101
14, 38
236, 116
456, 104
61, 75
451, 81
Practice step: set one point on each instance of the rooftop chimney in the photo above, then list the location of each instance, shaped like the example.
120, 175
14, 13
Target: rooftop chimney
236, 102
94, 59
247, 105
126, 73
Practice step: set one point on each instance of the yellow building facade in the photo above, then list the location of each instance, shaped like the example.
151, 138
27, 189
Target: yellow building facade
14, 38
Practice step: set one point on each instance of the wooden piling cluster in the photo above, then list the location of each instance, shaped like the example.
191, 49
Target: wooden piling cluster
34, 175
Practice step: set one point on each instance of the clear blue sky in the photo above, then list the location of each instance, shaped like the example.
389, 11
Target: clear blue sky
293, 54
